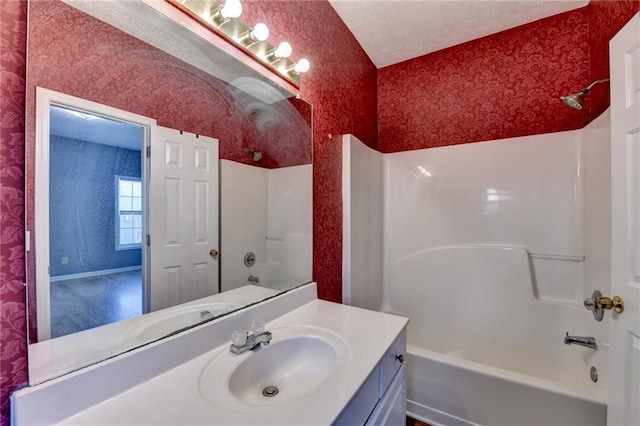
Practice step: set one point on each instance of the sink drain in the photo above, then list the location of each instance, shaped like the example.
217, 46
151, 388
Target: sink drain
270, 391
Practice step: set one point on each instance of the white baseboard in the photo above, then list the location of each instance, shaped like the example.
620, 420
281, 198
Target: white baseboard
95, 273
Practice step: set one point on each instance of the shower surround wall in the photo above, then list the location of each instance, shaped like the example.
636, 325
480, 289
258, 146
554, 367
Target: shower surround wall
504, 240
267, 212
548, 194
490, 249
545, 193
362, 192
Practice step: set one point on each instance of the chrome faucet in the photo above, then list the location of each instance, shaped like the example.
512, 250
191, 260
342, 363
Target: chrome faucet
243, 341
587, 342
253, 279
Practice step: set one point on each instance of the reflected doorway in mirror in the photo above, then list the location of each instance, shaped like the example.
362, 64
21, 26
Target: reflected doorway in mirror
89, 221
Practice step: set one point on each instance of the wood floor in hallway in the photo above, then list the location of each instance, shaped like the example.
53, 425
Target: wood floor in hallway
84, 303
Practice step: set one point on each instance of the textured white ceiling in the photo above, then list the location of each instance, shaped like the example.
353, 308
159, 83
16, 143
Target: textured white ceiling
71, 124
392, 31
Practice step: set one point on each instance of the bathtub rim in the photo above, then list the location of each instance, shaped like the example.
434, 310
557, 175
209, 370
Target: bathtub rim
596, 397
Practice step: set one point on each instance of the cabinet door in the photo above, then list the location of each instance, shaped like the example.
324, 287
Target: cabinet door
391, 409
362, 404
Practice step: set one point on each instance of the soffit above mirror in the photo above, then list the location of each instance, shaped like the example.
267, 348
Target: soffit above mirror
164, 27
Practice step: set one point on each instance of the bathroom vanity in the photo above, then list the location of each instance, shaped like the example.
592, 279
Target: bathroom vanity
326, 363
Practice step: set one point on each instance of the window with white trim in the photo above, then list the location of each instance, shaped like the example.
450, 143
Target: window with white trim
128, 213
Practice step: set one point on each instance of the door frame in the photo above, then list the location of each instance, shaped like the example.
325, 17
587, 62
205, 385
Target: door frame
45, 98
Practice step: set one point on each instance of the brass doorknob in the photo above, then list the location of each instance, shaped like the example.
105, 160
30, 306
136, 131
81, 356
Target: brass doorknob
617, 304
213, 253
599, 303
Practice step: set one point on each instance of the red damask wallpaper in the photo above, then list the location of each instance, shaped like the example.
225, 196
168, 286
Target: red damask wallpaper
503, 85
68, 51
13, 342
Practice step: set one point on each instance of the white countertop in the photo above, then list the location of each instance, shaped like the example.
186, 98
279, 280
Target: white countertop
174, 397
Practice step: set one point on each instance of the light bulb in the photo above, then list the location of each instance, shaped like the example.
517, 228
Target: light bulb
260, 32
303, 65
283, 50
231, 9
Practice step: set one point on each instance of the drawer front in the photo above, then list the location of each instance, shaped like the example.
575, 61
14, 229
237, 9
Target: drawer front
395, 357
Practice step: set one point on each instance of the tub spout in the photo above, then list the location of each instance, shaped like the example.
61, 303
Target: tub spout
587, 342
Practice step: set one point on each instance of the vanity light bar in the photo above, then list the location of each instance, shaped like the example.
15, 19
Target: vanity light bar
224, 20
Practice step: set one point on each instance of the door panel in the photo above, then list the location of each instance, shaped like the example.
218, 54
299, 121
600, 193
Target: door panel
184, 217
624, 382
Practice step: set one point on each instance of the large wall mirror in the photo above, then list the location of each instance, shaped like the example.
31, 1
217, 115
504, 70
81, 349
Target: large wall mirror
125, 246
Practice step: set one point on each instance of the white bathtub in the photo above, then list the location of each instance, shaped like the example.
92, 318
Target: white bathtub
445, 390
485, 350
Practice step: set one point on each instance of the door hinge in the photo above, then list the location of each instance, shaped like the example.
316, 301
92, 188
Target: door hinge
149, 152
148, 240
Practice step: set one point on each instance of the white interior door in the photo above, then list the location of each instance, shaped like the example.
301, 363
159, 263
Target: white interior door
624, 376
183, 219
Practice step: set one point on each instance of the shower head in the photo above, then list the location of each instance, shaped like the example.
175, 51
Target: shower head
576, 100
257, 155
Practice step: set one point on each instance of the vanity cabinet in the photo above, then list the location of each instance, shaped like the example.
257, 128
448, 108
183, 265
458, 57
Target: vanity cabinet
381, 400
392, 407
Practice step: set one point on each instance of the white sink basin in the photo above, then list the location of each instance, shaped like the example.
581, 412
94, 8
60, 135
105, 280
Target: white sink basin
294, 367
299, 361
161, 323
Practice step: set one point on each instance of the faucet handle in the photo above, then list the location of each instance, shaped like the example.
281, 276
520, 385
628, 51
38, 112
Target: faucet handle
239, 338
257, 327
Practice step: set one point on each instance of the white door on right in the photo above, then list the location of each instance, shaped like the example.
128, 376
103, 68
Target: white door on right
624, 374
